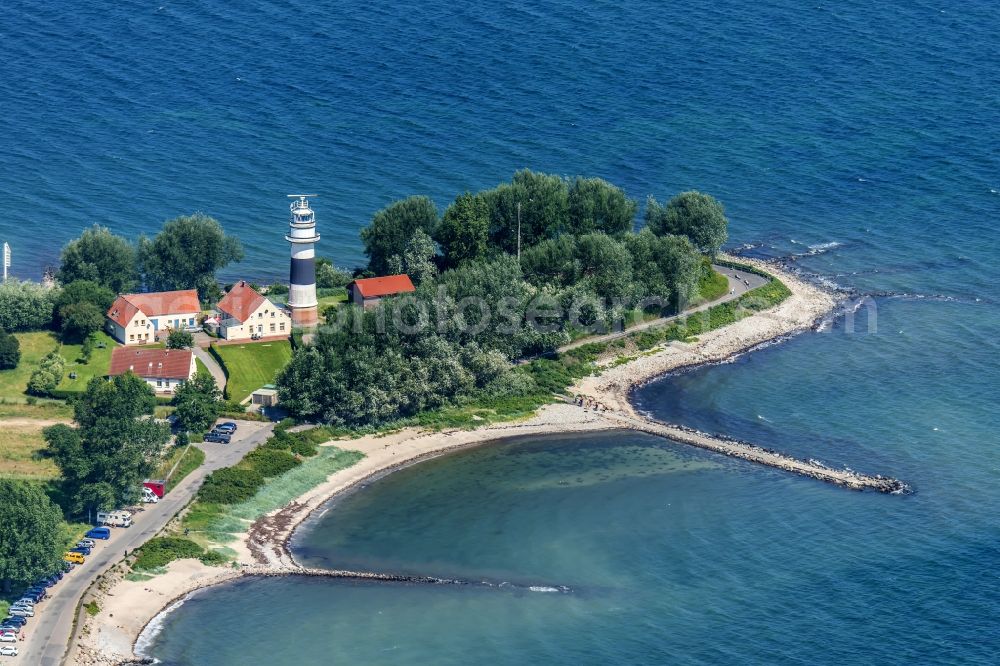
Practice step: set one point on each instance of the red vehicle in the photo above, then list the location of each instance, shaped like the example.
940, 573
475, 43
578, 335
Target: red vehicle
158, 487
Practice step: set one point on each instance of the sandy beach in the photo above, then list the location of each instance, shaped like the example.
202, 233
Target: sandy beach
127, 607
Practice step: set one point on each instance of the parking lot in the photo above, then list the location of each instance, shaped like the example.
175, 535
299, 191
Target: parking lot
47, 634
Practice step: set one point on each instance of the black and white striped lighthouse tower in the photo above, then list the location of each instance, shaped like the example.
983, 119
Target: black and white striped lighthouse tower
302, 276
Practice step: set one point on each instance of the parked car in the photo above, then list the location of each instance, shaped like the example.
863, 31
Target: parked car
24, 601
226, 426
35, 595
8, 637
21, 611
217, 437
75, 558
80, 549
59, 574
10, 626
148, 496
8, 651
99, 533
18, 620
89, 543
12, 630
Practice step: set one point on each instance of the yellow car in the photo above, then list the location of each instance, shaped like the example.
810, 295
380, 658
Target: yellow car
75, 558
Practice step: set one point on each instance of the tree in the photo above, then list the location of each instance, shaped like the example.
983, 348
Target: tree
197, 403
30, 533
82, 291
79, 320
115, 445
392, 228
100, 256
186, 254
597, 205
544, 210
179, 339
329, 276
25, 306
464, 230
417, 259
551, 262
605, 266
698, 216
10, 351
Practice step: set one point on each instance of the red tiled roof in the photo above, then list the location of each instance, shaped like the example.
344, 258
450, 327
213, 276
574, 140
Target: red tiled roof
155, 363
154, 304
241, 301
383, 286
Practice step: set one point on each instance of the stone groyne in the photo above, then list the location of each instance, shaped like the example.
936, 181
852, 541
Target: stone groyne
738, 449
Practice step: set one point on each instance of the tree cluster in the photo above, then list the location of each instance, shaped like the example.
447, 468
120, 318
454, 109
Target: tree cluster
185, 254
478, 305
25, 306
115, 445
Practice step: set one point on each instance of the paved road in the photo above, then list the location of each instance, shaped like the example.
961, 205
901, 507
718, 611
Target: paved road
737, 287
48, 633
213, 366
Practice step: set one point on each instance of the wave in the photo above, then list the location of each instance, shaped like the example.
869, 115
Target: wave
153, 629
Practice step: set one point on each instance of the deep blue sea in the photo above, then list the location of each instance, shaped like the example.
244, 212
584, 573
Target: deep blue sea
860, 138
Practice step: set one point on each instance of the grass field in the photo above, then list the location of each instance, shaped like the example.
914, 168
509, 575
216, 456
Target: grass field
34, 345
250, 366
100, 360
19, 446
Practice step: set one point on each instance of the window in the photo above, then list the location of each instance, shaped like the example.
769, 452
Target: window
159, 383
272, 314
260, 315
191, 321
260, 328
131, 337
142, 323
272, 327
282, 326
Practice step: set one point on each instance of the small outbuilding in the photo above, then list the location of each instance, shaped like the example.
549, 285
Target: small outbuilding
368, 292
265, 396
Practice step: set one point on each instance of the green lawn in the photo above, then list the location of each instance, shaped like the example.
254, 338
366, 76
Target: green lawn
250, 366
100, 361
20, 446
34, 345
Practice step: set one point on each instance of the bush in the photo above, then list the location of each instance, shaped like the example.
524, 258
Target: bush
10, 351
277, 289
213, 558
178, 339
46, 377
303, 447
230, 485
25, 306
271, 462
160, 551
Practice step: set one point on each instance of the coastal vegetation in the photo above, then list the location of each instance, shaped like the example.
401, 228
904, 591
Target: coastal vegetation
265, 480
517, 271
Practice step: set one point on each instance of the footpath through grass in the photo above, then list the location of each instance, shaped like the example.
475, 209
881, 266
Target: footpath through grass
250, 366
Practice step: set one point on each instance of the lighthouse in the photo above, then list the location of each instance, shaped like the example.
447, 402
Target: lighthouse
302, 275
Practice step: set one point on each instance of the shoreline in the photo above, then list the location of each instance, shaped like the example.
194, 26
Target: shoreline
264, 548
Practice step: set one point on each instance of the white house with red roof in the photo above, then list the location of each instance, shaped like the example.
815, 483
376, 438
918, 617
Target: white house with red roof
138, 319
244, 314
162, 369
368, 292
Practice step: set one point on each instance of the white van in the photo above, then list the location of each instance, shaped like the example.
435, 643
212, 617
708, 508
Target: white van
114, 518
148, 496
